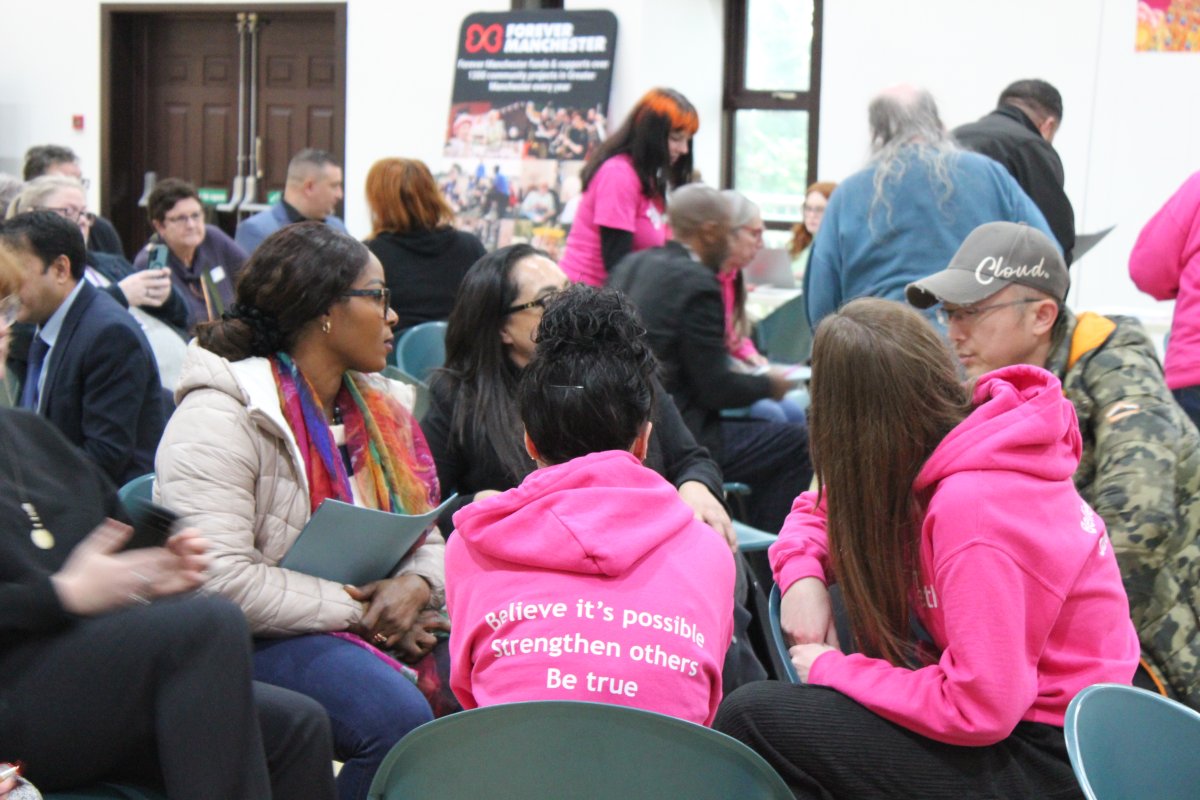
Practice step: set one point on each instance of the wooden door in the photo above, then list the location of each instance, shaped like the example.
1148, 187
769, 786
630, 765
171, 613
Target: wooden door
193, 97
299, 92
170, 92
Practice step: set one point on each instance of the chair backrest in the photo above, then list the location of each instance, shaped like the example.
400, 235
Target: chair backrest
422, 349
140, 488
751, 540
567, 749
777, 636
421, 398
784, 333
1130, 744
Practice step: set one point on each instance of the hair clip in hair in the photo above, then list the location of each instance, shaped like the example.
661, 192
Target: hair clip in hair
561, 386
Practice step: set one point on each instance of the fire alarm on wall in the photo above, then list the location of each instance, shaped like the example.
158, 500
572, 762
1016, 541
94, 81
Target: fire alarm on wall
77, 122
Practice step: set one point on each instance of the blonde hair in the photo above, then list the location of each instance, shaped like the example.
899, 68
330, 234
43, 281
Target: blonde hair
37, 190
11, 274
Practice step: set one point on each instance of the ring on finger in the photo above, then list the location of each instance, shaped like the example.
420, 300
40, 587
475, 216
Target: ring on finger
379, 639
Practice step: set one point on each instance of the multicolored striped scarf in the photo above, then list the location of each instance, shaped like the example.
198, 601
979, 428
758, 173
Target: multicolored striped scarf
392, 467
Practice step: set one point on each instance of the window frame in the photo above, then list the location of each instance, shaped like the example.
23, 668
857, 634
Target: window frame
739, 98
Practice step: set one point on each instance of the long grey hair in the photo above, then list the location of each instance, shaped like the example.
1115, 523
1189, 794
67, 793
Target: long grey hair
903, 122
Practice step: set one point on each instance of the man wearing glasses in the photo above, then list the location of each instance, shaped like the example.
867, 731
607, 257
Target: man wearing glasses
1002, 302
53, 159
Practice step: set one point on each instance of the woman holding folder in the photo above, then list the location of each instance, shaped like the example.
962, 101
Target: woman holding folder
279, 411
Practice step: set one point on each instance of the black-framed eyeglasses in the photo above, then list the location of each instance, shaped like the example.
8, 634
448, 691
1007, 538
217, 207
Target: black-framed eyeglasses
537, 302
971, 314
382, 296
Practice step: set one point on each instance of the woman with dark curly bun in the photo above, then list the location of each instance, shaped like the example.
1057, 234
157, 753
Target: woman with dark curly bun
278, 411
635, 594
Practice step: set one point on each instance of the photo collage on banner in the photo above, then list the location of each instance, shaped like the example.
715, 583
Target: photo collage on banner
530, 104
1168, 26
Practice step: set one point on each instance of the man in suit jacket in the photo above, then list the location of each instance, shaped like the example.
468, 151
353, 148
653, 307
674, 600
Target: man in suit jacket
90, 370
679, 301
312, 191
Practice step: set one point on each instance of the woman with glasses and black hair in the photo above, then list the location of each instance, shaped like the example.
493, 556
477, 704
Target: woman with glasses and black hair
473, 426
279, 410
203, 260
623, 207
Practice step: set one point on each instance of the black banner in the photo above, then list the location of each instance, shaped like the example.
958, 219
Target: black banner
530, 104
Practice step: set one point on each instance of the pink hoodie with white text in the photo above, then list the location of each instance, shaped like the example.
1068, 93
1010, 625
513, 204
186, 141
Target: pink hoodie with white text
1019, 588
589, 581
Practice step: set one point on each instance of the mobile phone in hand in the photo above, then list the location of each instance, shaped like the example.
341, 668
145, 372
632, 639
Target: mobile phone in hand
158, 257
152, 524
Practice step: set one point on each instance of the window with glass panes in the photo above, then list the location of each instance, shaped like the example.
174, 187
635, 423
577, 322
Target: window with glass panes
772, 94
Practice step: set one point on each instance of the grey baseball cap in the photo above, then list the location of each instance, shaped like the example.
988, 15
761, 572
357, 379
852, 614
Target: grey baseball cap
993, 256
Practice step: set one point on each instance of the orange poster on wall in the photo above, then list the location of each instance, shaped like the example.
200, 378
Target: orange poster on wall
1168, 26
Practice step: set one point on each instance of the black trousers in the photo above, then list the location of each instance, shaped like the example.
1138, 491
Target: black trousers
827, 746
772, 459
160, 694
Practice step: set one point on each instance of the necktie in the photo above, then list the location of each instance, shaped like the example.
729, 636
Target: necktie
37, 357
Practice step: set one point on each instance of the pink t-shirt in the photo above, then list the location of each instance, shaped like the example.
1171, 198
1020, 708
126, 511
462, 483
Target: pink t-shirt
613, 199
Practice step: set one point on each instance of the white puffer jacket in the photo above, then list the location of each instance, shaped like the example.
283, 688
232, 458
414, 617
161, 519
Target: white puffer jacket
229, 464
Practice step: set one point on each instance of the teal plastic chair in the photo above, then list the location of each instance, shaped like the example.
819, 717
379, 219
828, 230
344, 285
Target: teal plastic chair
750, 539
421, 400
781, 645
784, 333
1131, 744
569, 750
422, 349
140, 488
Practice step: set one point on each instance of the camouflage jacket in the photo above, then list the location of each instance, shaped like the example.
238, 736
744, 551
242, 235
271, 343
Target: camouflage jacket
1141, 473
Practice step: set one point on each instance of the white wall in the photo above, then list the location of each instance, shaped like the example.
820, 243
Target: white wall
1129, 130
40, 90
673, 43
1128, 136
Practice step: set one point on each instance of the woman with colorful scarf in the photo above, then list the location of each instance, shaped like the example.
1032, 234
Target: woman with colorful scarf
280, 409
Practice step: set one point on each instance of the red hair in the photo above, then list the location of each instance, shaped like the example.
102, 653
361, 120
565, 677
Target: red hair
404, 197
801, 238
673, 106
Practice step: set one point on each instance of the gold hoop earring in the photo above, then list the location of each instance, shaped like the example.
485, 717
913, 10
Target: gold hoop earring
326, 327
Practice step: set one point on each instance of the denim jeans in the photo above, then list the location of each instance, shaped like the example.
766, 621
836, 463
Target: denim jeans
370, 705
1188, 398
785, 410
772, 459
